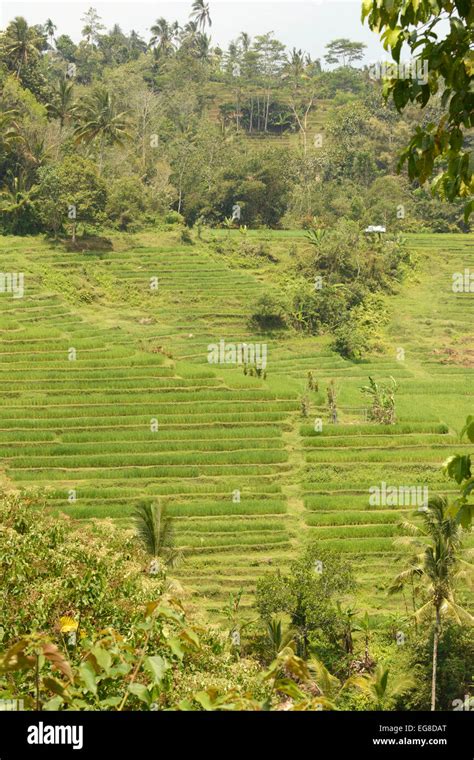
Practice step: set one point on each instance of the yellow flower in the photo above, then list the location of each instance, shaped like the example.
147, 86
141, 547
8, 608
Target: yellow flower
68, 624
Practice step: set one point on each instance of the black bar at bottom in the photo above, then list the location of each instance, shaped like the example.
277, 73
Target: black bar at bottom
377, 734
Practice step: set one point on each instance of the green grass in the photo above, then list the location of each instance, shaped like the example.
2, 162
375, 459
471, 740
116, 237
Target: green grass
141, 355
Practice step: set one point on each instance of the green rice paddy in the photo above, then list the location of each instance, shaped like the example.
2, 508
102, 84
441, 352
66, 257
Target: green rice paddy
108, 399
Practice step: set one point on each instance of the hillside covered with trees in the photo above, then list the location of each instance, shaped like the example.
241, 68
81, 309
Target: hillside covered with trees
128, 130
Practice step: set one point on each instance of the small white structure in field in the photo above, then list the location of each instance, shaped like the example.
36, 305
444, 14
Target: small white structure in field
378, 229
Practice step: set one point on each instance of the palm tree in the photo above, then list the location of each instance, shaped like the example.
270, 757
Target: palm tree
202, 47
295, 69
50, 29
200, 13
155, 531
439, 565
98, 118
63, 106
189, 32
381, 688
163, 34
23, 43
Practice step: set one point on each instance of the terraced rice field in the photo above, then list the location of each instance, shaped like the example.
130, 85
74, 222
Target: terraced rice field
108, 399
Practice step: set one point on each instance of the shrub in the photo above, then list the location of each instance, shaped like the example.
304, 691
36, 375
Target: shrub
173, 217
268, 314
350, 340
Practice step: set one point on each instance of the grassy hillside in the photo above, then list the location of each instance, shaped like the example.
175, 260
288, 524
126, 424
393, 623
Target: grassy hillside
84, 429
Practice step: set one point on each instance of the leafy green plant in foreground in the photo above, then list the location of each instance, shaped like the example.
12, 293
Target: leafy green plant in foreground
458, 468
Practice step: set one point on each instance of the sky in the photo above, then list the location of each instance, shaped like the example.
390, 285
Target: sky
305, 24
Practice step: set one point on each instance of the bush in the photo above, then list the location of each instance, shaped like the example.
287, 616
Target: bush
268, 314
173, 217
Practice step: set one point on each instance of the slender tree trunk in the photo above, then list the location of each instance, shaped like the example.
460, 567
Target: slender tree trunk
413, 598
267, 110
238, 110
435, 659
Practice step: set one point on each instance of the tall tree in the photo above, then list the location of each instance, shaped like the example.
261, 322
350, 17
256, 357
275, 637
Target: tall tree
23, 44
271, 58
344, 51
163, 37
99, 119
245, 41
50, 29
92, 25
62, 104
438, 564
200, 13
202, 47
298, 72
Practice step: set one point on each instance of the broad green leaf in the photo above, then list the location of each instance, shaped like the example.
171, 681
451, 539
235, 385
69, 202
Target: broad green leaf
187, 634
458, 467
390, 37
176, 647
88, 677
157, 667
204, 700
54, 704
103, 658
468, 428
140, 691
185, 705
110, 701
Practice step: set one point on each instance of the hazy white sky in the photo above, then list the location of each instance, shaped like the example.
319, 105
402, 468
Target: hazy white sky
306, 24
